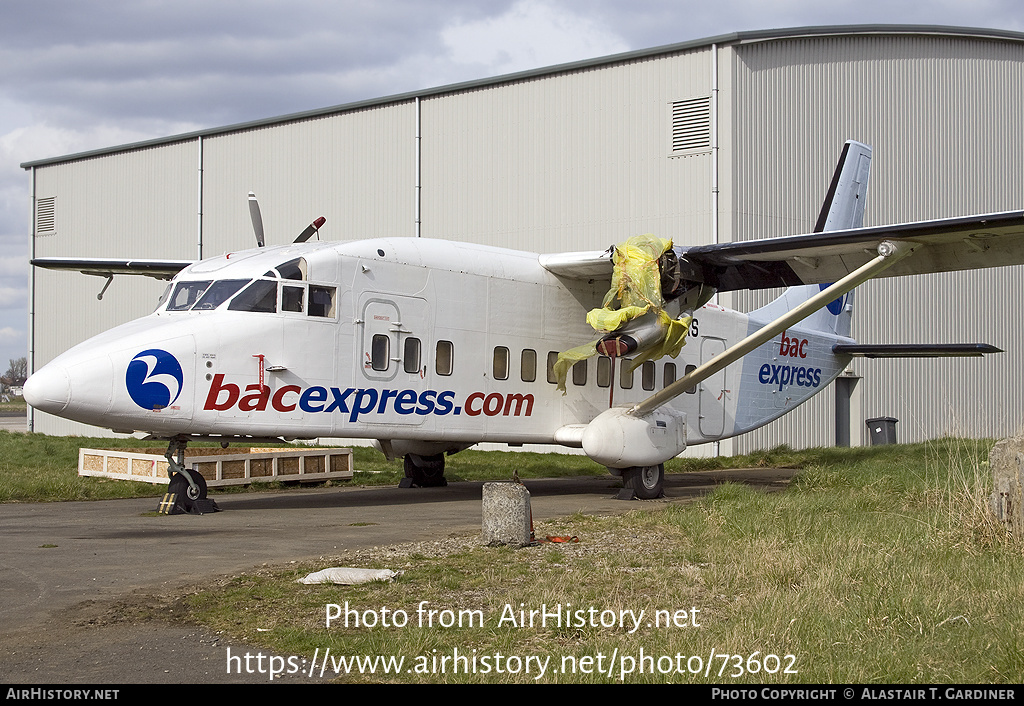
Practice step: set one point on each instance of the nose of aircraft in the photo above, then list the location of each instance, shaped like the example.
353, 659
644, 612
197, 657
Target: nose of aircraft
49, 389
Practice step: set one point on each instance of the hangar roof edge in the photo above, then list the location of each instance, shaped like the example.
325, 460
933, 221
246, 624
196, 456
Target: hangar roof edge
742, 37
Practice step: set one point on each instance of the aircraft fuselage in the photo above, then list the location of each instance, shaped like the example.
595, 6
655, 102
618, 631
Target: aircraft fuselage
435, 344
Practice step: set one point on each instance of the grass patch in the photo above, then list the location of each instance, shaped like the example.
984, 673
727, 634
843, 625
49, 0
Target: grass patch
873, 567
15, 405
41, 468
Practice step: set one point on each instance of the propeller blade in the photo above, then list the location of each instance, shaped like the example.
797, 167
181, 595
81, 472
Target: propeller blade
313, 227
257, 219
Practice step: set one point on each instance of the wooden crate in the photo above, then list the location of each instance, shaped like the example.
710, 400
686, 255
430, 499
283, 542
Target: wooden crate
231, 466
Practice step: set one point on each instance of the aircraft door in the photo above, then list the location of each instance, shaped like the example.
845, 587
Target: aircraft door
712, 392
392, 348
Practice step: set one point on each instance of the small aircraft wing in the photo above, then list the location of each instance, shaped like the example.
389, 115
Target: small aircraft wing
966, 243
950, 244
160, 269
915, 350
596, 264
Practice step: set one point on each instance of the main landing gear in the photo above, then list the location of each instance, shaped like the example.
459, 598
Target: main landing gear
424, 471
643, 482
186, 493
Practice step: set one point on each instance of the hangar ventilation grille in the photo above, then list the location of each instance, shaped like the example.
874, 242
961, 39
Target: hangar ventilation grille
46, 216
691, 124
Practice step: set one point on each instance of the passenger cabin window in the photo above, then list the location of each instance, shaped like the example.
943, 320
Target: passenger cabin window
604, 371
443, 360
186, 294
380, 352
579, 373
626, 374
692, 389
670, 374
411, 357
528, 365
260, 296
552, 359
647, 375
499, 367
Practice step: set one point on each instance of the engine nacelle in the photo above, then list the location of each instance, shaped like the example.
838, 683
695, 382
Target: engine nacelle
617, 439
639, 334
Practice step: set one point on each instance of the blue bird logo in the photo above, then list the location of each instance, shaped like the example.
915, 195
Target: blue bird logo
154, 379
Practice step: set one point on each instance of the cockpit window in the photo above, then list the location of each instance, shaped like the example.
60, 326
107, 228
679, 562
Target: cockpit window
186, 294
293, 269
218, 293
321, 301
163, 297
260, 296
292, 298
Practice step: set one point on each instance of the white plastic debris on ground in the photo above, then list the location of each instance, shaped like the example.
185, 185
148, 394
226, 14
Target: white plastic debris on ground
349, 576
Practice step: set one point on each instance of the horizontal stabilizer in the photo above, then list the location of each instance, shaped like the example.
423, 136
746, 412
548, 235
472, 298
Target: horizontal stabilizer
160, 269
912, 350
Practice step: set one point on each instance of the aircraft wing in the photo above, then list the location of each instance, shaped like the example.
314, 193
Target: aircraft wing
594, 264
946, 245
160, 269
949, 244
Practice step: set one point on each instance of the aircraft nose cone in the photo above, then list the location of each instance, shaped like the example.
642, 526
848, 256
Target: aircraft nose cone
49, 389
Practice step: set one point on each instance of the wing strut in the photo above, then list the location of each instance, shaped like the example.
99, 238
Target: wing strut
889, 253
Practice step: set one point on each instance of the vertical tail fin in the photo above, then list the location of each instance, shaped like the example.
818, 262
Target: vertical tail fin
843, 208
844, 203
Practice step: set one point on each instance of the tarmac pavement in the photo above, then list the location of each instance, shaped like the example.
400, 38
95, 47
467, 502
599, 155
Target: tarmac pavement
63, 562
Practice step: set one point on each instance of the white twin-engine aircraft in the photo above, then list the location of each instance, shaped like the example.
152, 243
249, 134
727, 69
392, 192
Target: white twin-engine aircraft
431, 346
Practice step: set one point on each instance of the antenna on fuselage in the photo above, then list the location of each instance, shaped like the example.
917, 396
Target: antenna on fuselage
257, 219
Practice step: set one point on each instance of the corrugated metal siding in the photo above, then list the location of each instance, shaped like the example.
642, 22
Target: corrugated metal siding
135, 204
942, 114
573, 161
356, 169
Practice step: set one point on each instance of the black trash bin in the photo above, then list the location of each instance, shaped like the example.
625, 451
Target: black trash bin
883, 430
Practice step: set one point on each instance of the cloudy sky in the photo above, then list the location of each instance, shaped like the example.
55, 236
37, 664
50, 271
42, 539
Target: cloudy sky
82, 75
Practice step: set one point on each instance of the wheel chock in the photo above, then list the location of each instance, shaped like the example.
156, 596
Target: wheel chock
169, 505
204, 506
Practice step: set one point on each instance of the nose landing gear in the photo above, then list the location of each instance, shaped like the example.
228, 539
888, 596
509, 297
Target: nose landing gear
186, 493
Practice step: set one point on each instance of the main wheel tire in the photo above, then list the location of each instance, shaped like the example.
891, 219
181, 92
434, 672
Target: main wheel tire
647, 482
425, 471
186, 494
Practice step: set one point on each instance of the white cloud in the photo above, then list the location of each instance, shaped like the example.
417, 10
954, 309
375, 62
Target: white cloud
10, 335
14, 267
530, 34
13, 298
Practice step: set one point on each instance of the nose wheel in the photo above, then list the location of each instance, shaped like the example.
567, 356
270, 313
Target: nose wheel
186, 492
